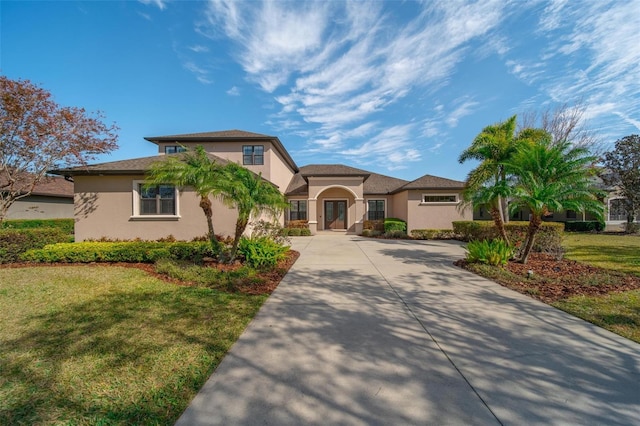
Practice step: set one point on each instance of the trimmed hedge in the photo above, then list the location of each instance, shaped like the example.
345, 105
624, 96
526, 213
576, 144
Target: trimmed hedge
14, 242
129, 252
433, 234
298, 224
548, 238
393, 224
66, 225
373, 225
584, 226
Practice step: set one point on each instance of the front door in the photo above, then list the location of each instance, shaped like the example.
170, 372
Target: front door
335, 215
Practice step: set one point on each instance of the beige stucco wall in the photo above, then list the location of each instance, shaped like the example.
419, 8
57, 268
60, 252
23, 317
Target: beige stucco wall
104, 208
41, 207
432, 215
330, 188
399, 203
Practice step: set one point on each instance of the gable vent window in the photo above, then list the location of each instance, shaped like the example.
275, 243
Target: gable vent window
253, 155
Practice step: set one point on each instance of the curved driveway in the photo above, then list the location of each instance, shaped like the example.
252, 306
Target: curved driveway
364, 331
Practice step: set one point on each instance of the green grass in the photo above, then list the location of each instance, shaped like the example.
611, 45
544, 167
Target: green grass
617, 252
617, 312
107, 345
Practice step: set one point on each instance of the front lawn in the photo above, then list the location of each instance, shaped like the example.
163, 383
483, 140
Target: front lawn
109, 345
617, 252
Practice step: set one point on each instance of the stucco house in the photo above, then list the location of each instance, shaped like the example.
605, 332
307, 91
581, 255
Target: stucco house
51, 198
110, 200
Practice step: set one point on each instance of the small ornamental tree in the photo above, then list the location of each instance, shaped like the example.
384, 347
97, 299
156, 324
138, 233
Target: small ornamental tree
37, 135
623, 172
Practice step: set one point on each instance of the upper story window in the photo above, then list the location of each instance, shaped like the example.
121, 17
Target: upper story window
174, 149
375, 209
253, 155
298, 210
429, 198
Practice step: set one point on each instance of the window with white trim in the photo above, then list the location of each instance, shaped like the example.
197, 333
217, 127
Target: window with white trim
154, 201
298, 210
447, 198
375, 209
253, 155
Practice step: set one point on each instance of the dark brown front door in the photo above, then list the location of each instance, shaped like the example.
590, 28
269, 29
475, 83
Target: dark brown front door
335, 215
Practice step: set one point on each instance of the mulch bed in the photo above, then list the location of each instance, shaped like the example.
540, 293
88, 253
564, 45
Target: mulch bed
266, 285
554, 279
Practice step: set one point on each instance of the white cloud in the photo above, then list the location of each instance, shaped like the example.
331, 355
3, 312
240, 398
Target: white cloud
202, 75
234, 91
161, 4
199, 48
465, 108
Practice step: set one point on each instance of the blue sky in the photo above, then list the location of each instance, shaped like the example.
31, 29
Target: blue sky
399, 88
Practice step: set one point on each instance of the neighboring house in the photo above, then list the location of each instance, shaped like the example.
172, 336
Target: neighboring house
52, 198
112, 202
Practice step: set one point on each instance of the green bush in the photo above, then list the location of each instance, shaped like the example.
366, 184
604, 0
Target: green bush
129, 252
393, 224
14, 242
305, 232
632, 227
371, 233
65, 225
432, 234
548, 239
491, 252
294, 232
262, 252
395, 234
584, 226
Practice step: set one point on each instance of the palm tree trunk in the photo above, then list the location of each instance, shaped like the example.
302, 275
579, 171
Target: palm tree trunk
241, 225
497, 219
205, 205
534, 226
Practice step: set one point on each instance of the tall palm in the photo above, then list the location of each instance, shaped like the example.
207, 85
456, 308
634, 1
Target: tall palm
494, 145
195, 169
551, 177
250, 195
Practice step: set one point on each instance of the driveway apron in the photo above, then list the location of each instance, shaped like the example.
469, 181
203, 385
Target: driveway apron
364, 331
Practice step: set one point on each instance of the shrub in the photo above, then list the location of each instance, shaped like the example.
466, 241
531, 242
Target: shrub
394, 224
395, 234
65, 225
262, 252
432, 234
548, 238
294, 232
371, 233
374, 225
632, 227
130, 252
305, 232
584, 226
491, 252
14, 242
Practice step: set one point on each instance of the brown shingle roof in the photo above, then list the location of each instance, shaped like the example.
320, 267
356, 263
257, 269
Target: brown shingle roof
432, 182
131, 166
223, 134
51, 186
374, 183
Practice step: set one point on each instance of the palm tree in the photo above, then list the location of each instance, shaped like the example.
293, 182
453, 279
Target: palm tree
550, 177
195, 169
250, 195
486, 184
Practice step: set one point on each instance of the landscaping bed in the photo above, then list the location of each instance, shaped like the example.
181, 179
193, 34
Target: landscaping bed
553, 280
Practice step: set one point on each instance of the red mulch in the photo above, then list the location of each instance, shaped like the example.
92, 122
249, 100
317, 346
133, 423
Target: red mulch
266, 285
555, 279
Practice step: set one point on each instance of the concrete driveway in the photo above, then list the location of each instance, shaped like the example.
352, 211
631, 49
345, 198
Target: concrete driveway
365, 331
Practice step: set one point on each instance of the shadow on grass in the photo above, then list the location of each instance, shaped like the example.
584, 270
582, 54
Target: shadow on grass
127, 357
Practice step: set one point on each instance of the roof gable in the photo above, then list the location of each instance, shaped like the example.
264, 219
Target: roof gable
432, 182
